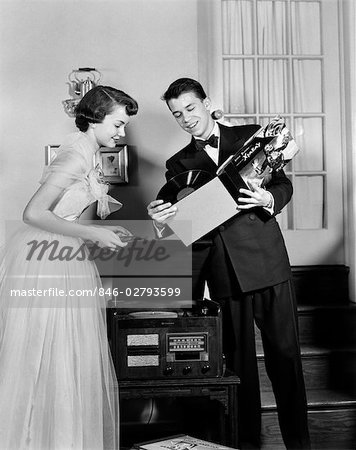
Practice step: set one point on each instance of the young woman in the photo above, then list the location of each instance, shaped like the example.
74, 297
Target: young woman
57, 382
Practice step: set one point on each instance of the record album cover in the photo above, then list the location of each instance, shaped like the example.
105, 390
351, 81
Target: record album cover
181, 442
268, 150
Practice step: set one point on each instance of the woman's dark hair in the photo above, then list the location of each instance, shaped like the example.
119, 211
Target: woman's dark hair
100, 101
183, 85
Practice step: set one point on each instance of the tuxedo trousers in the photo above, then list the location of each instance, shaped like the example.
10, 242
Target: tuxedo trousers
274, 312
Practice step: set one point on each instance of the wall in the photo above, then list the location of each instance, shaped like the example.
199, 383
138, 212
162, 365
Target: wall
139, 46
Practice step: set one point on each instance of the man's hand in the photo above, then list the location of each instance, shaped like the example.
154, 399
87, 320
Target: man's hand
160, 212
255, 196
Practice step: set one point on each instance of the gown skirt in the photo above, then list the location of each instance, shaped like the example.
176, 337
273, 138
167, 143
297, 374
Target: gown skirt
58, 388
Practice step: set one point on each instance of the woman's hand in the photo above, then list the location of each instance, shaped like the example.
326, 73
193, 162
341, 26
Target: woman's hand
124, 234
106, 237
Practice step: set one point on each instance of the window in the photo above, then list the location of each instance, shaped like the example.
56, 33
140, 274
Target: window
281, 57
273, 64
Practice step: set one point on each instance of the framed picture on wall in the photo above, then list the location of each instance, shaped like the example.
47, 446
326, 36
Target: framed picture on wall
113, 161
50, 153
114, 164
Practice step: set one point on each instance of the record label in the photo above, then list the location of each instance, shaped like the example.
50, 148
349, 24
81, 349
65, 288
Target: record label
183, 184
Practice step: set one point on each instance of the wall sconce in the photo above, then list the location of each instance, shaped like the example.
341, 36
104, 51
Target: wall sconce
80, 82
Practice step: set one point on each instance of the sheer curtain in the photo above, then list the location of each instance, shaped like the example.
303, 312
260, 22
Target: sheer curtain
273, 65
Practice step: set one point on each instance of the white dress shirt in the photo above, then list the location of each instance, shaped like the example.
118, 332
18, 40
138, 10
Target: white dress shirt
212, 151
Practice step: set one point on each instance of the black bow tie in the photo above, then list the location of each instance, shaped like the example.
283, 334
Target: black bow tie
212, 141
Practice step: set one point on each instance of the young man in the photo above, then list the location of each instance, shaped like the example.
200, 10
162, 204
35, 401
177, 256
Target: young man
246, 266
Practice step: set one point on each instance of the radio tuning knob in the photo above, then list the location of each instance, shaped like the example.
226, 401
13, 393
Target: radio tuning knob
205, 368
186, 370
168, 370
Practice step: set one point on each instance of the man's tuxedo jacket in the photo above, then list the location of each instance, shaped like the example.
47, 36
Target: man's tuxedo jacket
252, 238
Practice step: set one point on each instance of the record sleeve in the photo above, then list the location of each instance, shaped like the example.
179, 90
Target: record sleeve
202, 211
183, 184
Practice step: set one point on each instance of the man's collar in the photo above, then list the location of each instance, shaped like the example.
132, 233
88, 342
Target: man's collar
215, 130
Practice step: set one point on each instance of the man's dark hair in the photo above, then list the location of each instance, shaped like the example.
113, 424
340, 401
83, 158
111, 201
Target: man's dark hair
183, 85
100, 101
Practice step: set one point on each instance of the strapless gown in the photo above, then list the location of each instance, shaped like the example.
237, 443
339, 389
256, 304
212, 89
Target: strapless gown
58, 388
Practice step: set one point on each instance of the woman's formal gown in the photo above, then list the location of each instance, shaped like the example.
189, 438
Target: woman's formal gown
57, 382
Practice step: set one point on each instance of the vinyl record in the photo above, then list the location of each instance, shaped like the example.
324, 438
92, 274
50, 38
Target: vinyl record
183, 184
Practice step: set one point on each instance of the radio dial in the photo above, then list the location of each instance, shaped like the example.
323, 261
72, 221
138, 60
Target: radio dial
168, 370
205, 368
186, 370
